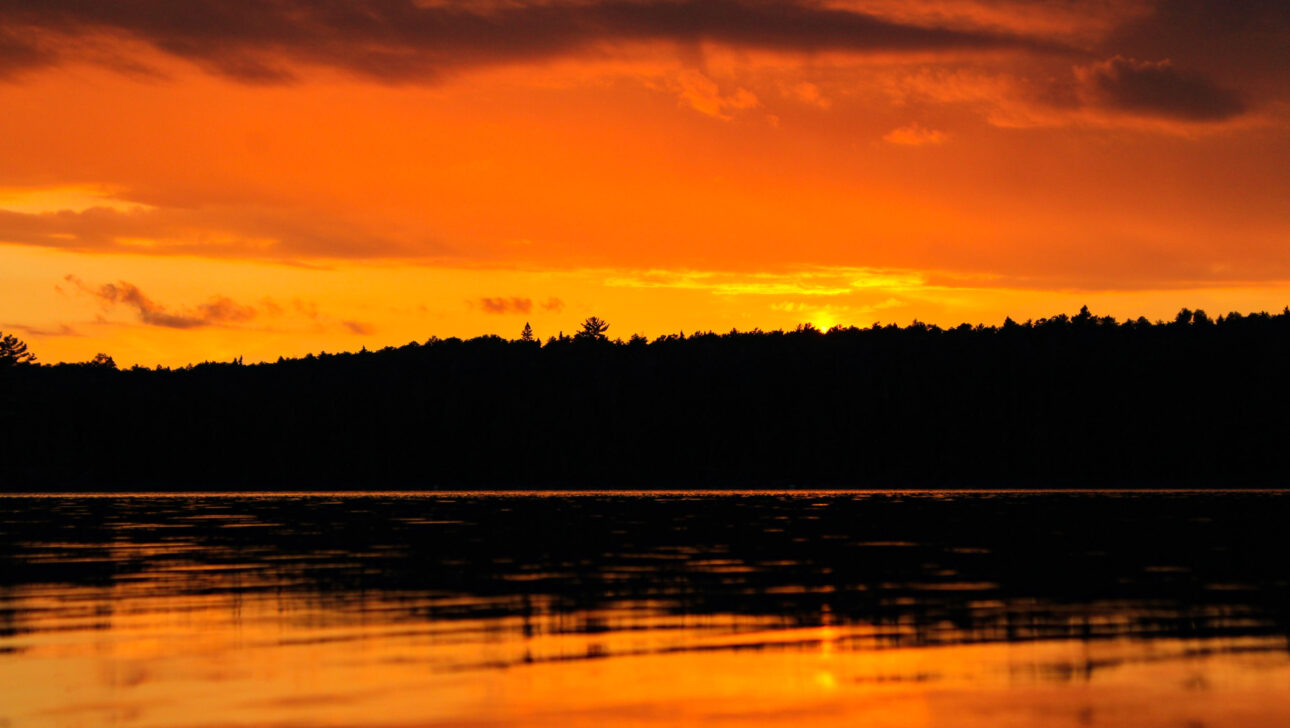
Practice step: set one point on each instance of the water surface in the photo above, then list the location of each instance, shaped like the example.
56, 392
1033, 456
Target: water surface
556, 609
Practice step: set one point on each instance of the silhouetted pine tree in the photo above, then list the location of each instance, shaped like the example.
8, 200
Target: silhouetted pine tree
14, 351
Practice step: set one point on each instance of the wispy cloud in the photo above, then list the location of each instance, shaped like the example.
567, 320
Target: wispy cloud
915, 135
218, 311
514, 304
56, 330
1156, 89
813, 282
65, 198
359, 327
114, 225
705, 96
1117, 92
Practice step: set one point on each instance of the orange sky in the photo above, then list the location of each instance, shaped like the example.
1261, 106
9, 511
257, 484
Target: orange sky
214, 179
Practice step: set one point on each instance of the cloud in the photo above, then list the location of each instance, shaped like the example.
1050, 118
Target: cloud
418, 40
58, 330
238, 231
704, 95
809, 93
18, 54
219, 311
515, 304
1156, 88
1118, 92
815, 282
359, 327
1243, 42
1082, 21
60, 198
914, 135
499, 304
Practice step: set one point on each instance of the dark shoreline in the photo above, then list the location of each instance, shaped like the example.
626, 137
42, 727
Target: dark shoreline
661, 489
525, 495
1071, 401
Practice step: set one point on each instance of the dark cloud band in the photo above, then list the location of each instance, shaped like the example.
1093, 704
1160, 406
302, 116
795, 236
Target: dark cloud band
407, 40
1158, 89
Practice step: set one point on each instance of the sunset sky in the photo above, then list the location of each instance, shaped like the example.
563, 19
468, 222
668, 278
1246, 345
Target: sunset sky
210, 179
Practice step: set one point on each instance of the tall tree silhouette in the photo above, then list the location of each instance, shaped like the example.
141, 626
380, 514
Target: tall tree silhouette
593, 329
527, 333
13, 351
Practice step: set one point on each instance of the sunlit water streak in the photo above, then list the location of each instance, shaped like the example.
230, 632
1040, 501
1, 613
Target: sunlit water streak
625, 608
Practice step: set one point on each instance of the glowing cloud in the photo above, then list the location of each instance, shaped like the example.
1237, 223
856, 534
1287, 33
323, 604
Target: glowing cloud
64, 198
914, 135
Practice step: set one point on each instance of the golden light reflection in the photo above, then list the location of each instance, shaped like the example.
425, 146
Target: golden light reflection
203, 620
129, 656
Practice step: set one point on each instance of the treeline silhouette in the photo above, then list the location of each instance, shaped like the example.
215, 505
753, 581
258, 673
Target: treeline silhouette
1075, 400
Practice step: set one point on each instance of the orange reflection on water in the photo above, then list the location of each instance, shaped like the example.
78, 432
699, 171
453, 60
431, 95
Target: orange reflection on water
621, 609
127, 655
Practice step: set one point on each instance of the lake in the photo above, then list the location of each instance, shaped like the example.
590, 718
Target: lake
846, 608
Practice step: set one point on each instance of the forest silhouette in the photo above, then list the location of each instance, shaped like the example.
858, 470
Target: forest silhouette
1063, 401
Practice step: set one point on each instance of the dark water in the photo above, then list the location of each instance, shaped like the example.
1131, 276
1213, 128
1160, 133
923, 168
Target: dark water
1087, 608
